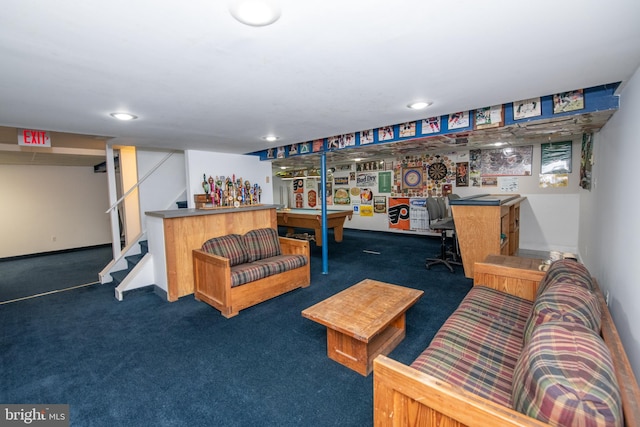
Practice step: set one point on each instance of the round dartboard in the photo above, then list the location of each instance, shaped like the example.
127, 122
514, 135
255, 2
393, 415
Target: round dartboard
437, 171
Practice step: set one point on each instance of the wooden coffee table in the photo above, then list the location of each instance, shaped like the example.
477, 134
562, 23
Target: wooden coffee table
364, 321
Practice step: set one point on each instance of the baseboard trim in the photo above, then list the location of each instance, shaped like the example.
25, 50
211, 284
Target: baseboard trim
62, 251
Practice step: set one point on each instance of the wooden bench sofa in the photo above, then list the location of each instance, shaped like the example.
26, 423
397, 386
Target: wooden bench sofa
233, 272
502, 360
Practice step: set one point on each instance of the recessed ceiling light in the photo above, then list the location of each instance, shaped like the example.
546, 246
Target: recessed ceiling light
357, 159
256, 13
420, 105
124, 116
270, 138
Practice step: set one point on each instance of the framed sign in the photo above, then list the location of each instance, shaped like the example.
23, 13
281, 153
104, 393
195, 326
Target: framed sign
555, 157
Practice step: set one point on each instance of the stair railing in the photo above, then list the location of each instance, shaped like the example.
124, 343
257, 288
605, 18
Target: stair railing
113, 211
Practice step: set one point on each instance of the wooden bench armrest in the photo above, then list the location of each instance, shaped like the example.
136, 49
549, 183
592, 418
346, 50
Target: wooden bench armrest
629, 390
291, 246
405, 396
212, 259
212, 276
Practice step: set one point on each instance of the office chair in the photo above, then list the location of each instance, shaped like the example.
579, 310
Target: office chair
440, 221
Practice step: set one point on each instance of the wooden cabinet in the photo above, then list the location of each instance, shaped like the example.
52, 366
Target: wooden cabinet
183, 230
486, 224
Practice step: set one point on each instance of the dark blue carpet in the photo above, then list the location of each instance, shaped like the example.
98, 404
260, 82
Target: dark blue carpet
32, 275
147, 362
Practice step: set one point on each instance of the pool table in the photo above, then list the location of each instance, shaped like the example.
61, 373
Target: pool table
312, 218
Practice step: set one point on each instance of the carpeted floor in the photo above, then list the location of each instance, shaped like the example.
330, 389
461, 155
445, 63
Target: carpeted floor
144, 361
23, 277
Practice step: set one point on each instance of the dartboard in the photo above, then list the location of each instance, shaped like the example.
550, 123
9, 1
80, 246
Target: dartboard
437, 171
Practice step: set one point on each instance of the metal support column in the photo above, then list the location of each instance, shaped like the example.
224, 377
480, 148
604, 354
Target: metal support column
325, 241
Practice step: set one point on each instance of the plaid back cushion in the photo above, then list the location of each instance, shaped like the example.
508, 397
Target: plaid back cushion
565, 302
229, 246
262, 243
565, 377
565, 271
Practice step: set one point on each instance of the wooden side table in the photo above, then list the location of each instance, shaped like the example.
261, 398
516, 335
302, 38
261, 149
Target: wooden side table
514, 275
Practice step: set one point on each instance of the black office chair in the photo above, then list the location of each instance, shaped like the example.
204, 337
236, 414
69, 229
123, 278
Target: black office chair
440, 221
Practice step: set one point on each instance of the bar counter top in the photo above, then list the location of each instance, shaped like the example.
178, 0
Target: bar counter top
180, 213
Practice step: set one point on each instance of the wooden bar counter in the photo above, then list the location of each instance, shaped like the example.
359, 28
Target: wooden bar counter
486, 224
173, 234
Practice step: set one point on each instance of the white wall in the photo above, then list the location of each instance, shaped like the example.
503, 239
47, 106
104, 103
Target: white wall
549, 216
166, 185
207, 163
609, 227
43, 202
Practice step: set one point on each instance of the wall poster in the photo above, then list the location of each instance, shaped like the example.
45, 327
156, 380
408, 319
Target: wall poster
418, 216
510, 161
555, 157
399, 213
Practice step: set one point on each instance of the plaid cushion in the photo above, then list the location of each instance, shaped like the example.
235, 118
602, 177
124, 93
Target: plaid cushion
498, 305
262, 243
229, 246
248, 272
566, 378
281, 263
566, 271
565, 302
477, 349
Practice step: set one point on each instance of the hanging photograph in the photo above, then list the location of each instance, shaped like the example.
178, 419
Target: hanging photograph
346, 140
318, 145
341, 197
489, 117
527, 108
366, 137
431, 125
385, 133
568, 101
511, 161
462, 174
555, 157
407, 129
458, 120
379, 204
555, 180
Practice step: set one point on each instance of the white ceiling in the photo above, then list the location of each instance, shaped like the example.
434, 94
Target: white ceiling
199, 79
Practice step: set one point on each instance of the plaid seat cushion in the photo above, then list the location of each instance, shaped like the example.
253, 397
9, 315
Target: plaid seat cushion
566, 378
262, 243
477, 348
282, 263
229, 246
248, 272
498, 305
565, 302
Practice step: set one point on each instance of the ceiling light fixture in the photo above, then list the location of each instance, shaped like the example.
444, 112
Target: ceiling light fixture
256, 13
420, 105
123, 116
270, 138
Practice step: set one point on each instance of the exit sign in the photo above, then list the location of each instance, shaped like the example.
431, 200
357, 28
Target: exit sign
33, 138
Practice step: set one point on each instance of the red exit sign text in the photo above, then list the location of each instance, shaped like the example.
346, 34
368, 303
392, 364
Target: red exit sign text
34, 138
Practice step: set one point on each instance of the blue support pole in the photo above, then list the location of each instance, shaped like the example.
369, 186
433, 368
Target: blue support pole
325, 246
